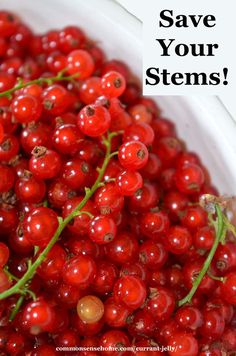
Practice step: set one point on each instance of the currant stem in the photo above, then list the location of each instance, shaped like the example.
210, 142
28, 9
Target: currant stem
10, 275
19, 286
219, 234
16, 308
216, 278
60, 77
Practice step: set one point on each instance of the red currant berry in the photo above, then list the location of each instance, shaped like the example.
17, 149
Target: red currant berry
133, 155
19, 243
44, 164
229, 339
123, 249
139, 132
68, 295
113, 339
128, 182
191, 271
115, 315
39, 226
7, 178
67, 338
75, 173
130, 291
38, 134
150, 104
44, 350
55, 99
154, 225
183, 344
161, 303
26, 108
152, 169
37, 317
178, 240
90, 90
52, 265
56, 62
106, 276
9, 148
174, 276
157, 278
70, 38
189, 178
175, 202
117, 66
189, 317
140, 114
30, 189
228, 288
134, 269
141, 324
8, 23
108, 199
80, 224
86, 329
187, 157
213, 325
16, 343
50, 41
113, 84
224, 260
80, 62
94, 120
144, 198
153, 255
102, 229
83, 246
66, 139
193, 217
203, 238
168, 149
59, 193
79, 271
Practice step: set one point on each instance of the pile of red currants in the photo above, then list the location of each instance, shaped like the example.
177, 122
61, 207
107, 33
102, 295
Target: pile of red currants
103, 240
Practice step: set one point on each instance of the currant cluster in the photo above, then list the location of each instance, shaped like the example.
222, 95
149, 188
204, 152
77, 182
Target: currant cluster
103, 239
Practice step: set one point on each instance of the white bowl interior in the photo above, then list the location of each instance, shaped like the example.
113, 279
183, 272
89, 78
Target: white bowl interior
201, 121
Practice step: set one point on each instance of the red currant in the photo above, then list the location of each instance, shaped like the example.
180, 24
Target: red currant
133, 155
39, 226
128, 182
80, 62
130, 291
26, 108
102, 229
113, 84
79, 271
94, 120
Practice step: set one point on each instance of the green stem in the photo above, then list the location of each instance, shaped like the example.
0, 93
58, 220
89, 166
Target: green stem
19, 286
16, 308
60, 77
216, 278
230, 226
10, 275
219, 233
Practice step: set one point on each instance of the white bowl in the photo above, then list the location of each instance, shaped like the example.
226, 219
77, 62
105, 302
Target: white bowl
202, 122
